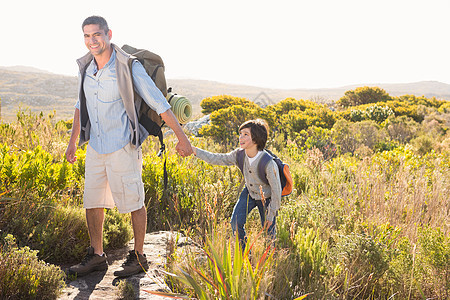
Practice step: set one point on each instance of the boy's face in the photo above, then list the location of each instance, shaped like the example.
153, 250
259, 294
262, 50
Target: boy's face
245, 139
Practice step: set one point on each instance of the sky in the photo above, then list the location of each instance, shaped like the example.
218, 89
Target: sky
283, 44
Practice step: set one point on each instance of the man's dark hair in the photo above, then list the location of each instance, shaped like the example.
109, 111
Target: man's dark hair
259, 131
96, 20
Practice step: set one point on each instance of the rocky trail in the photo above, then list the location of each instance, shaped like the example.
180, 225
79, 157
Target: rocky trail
103, 284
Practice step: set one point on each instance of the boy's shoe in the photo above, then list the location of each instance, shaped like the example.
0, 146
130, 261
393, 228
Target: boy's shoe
133, 265
91, 262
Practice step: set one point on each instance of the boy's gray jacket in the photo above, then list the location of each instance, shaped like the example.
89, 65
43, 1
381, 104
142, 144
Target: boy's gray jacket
252, 180
126, 90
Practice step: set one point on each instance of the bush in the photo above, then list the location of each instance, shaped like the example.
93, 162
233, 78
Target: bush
125, 290
23, 276
350, 136
423, 144
401, 129
363, 95
433, 262
358, 263
225, 123
225, 271
375, 113
212, 104
117, 231
60, 233
289, 104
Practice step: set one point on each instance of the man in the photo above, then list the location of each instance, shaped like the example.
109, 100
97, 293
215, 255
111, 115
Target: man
105, 115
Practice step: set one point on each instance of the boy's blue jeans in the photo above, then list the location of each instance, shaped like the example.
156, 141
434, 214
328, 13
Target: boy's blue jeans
243, 207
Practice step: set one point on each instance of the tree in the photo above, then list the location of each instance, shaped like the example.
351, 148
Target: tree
215, 103
363, 95
285, 106
225, 122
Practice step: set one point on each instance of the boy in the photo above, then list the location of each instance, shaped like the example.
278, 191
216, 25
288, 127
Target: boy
252, 139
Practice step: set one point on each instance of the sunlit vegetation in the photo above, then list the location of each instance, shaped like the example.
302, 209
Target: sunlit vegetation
368, 218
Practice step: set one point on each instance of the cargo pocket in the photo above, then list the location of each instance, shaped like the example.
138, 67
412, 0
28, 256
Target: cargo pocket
132, 189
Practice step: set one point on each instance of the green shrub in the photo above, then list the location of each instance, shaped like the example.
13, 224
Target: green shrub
363, 95
23, 276
58, 232
358, 264
289, 104
375, 113
225, 122
432, 269
125, 290
227, 271
311, 253
445, 107
212, 104
423, 144
35, 171
349, 136
117, 231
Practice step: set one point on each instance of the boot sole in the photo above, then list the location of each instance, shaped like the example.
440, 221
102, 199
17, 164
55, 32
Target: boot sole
130, 274
97, 268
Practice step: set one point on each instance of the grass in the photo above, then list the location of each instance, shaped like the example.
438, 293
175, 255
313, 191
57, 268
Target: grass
373, 226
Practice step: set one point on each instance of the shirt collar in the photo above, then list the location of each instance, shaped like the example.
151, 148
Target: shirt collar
92, 69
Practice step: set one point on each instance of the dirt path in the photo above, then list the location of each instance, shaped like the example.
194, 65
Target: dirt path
102, 284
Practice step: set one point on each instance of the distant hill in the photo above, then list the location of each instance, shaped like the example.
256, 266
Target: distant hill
25, 69
43, 91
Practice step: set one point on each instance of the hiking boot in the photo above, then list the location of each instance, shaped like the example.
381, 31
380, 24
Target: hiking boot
91, 262
133, 265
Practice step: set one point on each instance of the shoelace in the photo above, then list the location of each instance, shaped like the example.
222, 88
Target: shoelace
130, 258
87, 258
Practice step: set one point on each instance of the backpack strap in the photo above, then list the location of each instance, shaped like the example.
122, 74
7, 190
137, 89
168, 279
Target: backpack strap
152, 127
266, 157
240, 159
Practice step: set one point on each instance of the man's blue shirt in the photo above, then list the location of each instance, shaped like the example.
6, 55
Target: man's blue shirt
110, 128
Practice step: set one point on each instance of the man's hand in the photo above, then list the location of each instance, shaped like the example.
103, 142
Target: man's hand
184, 147
70, 153
72, 146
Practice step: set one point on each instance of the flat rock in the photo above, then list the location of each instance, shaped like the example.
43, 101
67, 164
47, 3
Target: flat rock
103, 284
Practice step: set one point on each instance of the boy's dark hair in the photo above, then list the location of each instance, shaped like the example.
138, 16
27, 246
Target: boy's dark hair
96, 20
259, 131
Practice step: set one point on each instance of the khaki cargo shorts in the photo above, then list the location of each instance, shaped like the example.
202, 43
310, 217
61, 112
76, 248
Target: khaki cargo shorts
114, 179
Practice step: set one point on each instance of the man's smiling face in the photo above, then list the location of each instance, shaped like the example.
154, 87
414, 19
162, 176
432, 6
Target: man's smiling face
96, 40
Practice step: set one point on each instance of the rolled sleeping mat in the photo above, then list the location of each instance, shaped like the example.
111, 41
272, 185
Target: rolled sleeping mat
181, 107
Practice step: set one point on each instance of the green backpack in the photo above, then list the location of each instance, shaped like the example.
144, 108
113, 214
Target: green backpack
154, 66
152, 122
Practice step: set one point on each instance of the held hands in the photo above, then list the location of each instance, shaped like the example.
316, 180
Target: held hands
184, 148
